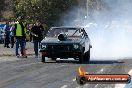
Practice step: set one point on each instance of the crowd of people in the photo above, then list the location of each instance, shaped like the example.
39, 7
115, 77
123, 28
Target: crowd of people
18, 33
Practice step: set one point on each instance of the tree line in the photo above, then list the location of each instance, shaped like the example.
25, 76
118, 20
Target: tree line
46, 11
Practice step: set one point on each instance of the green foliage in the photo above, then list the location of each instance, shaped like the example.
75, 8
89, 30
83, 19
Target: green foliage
1, 4
49, 11
46, 11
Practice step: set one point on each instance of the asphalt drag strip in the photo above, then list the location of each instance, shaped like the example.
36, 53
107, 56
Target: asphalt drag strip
32, 73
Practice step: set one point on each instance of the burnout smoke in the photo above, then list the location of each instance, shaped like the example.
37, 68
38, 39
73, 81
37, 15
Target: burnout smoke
110, 41
110, 31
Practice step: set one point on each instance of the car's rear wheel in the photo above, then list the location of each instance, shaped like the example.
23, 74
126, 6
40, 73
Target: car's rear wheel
43, 58
87, 56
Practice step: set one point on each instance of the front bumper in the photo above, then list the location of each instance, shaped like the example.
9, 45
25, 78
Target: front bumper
62, 50
61, 54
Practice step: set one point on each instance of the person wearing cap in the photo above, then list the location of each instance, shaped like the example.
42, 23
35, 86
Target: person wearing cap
20, 37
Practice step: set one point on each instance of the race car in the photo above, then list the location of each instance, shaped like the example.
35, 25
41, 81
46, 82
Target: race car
66, 42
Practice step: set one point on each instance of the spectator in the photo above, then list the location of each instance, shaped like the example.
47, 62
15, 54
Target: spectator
20, 35
37, 33
30, 35
12, 36
7, 35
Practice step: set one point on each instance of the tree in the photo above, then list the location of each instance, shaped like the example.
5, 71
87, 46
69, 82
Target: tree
46, 11
6, 9
1, 7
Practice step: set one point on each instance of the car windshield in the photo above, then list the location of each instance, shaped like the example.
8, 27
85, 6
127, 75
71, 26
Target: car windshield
70, 32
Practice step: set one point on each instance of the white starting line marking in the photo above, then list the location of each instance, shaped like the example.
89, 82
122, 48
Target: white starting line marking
64, 86
123, 85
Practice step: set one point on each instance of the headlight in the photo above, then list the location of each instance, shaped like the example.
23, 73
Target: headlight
43, 46
75, 46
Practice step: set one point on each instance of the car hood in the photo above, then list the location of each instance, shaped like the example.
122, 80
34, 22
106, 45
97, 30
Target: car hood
56, 40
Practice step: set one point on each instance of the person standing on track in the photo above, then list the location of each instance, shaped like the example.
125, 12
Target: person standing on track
37, 33
20, 37
7, 35
12, 36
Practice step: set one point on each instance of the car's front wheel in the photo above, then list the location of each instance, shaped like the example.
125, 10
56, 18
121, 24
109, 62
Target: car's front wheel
43, 58
81, 58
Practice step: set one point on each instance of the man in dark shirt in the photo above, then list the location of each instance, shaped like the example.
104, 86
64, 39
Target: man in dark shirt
7, 35
37, 33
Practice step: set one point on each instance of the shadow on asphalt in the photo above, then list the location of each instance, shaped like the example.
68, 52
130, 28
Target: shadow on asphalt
104, 62
91, 62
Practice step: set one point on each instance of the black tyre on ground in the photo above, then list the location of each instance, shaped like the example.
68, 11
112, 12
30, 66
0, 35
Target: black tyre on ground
43, 58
